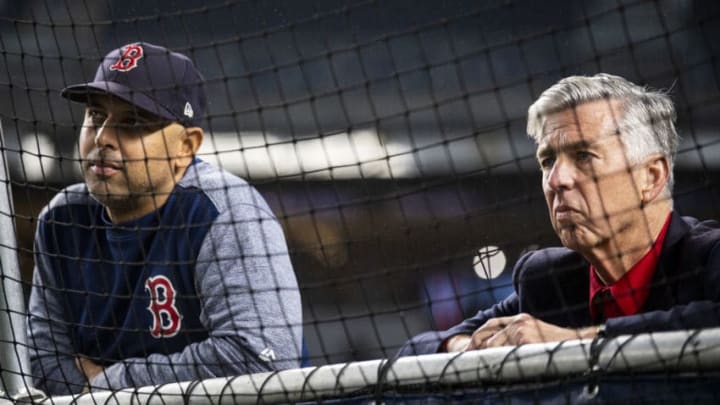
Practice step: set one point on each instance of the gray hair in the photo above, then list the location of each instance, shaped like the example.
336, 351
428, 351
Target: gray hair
647, 125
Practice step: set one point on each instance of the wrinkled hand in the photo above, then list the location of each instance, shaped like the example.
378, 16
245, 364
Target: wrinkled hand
89, 368
522, 329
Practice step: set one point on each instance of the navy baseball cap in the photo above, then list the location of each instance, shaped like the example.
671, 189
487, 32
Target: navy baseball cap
152, 78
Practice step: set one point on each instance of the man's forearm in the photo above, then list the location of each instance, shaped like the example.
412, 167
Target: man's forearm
211, 358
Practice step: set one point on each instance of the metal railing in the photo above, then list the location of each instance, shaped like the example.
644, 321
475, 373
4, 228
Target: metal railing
683, 352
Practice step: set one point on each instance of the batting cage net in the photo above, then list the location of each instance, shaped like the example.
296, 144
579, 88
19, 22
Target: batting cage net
359, 173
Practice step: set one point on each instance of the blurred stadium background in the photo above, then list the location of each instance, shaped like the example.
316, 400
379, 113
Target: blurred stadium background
388, 136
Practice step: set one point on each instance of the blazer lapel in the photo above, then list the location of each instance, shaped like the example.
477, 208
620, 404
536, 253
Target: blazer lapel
662, 294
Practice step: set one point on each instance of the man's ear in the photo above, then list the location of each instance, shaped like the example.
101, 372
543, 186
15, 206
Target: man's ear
656, 175
190, 139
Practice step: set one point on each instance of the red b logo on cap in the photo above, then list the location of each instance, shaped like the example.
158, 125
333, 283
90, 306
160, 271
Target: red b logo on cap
128, 59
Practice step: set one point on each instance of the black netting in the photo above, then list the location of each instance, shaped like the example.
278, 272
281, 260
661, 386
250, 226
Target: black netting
388, 140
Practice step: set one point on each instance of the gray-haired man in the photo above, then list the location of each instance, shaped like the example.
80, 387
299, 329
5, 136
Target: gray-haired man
629, 263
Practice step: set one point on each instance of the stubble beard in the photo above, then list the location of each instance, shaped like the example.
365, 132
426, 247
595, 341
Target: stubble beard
126, 200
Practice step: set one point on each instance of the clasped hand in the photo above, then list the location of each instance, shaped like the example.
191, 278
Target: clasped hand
515, 330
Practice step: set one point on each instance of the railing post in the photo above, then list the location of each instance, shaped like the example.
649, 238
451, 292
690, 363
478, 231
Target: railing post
15, 379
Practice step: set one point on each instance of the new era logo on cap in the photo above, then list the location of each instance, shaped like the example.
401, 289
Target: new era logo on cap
152, 78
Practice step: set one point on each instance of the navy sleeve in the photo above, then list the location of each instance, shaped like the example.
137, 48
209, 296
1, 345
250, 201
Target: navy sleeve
52, 354
430, 342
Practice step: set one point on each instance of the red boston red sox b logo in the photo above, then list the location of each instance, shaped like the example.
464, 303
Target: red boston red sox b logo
129, 58
166, 317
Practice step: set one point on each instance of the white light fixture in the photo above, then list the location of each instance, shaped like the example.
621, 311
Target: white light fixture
489, 262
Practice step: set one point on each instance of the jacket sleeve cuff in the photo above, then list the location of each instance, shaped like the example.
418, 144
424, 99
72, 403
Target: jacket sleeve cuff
111, 378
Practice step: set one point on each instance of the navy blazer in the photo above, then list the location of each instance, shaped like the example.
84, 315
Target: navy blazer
554, 285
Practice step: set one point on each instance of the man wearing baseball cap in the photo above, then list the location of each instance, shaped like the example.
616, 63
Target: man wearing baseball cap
159, 267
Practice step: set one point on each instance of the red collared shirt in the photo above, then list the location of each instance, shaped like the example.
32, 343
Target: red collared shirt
627, 295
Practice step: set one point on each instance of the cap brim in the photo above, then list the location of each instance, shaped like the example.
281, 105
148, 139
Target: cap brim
80, 93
